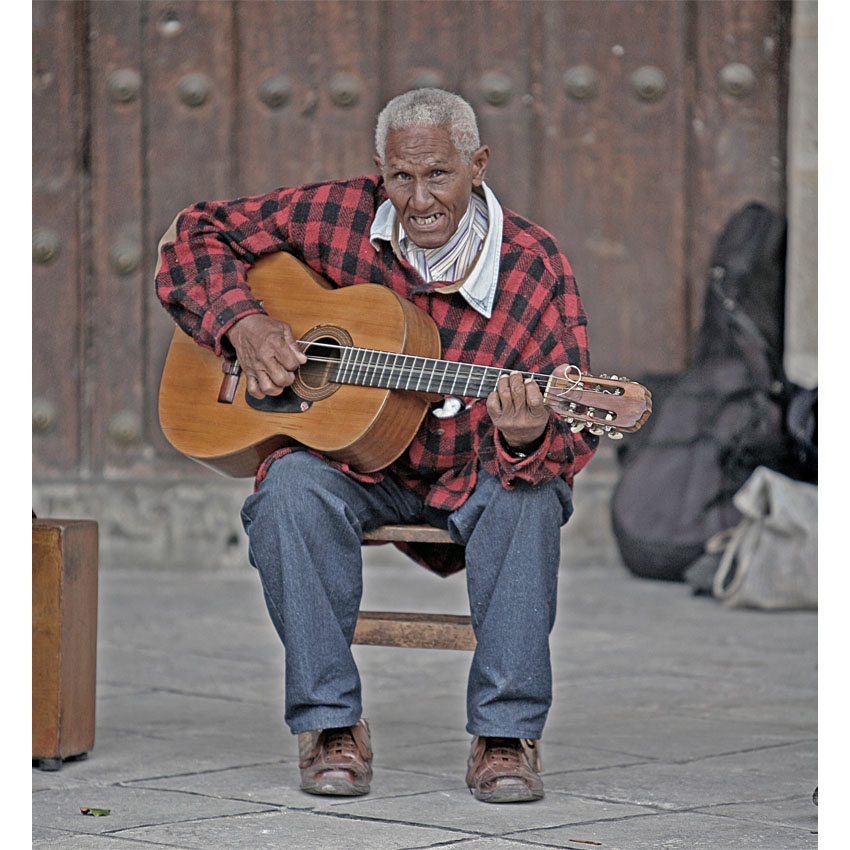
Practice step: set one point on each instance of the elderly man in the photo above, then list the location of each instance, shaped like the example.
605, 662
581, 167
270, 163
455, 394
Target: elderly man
497, 475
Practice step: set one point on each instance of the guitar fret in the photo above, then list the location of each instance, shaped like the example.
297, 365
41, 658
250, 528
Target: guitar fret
454, 378
343, 365
431, 378
355, 365
395, 373
468, 378
403, 368
369, 373
361, 357
499, 373
381, 369
364, 370
352, 375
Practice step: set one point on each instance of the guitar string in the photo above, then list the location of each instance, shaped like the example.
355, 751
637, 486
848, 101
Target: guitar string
557, 386
550, 385
397, 371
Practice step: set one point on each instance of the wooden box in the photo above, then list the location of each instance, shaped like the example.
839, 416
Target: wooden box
64, 639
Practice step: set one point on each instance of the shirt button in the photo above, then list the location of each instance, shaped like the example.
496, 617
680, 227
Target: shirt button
440, 431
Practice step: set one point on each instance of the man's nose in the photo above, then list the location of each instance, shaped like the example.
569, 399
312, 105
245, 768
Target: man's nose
421, 194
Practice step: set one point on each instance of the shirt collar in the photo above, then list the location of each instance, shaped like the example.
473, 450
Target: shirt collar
479, 288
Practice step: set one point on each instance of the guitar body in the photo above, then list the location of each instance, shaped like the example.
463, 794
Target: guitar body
365, 427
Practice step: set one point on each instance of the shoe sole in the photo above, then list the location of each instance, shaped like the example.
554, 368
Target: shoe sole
508, 794
335, 787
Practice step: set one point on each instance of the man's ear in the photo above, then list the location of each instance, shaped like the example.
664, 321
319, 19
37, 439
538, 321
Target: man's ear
478, 164
377, 160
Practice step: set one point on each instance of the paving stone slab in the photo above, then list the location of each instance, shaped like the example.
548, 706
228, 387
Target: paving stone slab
457, 808
665, 735
129, 808
278, 785
674, 831
757, 775
47, 839
798, 812
285, 828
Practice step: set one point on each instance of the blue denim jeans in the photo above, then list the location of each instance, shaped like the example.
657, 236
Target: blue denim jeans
304, 525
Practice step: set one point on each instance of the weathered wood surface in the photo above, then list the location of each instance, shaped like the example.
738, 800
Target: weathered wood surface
408, 534
426, 631
64, 637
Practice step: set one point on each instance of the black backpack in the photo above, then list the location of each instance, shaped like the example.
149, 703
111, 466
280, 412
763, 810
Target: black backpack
728, 413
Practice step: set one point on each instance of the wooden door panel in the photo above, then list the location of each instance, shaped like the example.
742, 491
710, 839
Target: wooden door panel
611, 172
190, 89
499, 70
57, 316
117, 277
425, 44
737, 146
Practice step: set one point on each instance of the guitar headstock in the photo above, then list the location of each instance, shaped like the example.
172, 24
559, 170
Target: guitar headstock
608, 405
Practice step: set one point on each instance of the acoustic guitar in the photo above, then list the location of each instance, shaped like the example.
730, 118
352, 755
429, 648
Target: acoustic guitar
373, 369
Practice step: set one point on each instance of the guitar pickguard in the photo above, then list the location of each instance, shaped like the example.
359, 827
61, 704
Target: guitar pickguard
287, 402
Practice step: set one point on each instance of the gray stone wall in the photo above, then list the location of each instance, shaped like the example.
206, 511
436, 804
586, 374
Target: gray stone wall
168, 525
801, 343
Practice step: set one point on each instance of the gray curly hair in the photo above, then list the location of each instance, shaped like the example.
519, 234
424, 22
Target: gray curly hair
429, 108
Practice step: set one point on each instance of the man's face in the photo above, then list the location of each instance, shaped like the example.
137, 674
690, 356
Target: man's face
429, 183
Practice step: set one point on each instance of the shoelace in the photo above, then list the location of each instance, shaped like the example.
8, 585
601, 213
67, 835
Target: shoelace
339, 742
505, 749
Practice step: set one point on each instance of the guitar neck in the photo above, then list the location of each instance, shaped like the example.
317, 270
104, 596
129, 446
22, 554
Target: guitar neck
370, 368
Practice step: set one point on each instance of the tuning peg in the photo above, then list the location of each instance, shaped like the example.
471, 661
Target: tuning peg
597, 430
614, 434
576, 427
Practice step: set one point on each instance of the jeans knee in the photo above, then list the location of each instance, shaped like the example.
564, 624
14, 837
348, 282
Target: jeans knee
550, 501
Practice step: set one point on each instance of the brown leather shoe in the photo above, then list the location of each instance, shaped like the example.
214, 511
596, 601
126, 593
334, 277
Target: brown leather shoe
339, 761
500, 772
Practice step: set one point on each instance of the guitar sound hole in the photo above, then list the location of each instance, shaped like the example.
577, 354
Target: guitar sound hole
322, 363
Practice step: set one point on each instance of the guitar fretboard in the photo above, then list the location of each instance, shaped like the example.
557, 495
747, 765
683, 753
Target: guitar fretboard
370, 368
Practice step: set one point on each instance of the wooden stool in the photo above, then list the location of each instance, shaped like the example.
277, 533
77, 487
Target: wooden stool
396, 628
64, 639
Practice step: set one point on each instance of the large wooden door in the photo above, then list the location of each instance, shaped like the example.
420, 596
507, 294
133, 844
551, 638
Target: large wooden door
629, 129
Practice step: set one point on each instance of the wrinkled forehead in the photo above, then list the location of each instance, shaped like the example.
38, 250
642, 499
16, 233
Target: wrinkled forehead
422, 146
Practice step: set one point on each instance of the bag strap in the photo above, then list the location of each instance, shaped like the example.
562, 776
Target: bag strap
744, 322
730, 566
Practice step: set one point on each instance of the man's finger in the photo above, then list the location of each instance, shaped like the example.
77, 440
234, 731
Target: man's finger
510, 394
533, 396
293, 347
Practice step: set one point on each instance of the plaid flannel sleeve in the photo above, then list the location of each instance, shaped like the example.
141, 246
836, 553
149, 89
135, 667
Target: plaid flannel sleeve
205, 255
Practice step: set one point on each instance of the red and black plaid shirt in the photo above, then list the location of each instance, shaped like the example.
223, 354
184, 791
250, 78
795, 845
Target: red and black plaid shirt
538, 321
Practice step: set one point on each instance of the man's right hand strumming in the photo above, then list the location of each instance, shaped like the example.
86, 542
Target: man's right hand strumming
267, 353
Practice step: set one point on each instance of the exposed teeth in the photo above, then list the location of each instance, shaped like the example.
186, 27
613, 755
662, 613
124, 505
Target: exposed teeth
429, 220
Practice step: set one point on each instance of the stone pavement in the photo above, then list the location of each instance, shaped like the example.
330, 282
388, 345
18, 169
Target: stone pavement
676, 724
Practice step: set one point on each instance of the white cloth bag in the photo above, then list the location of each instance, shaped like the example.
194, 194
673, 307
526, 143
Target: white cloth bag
771, 558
